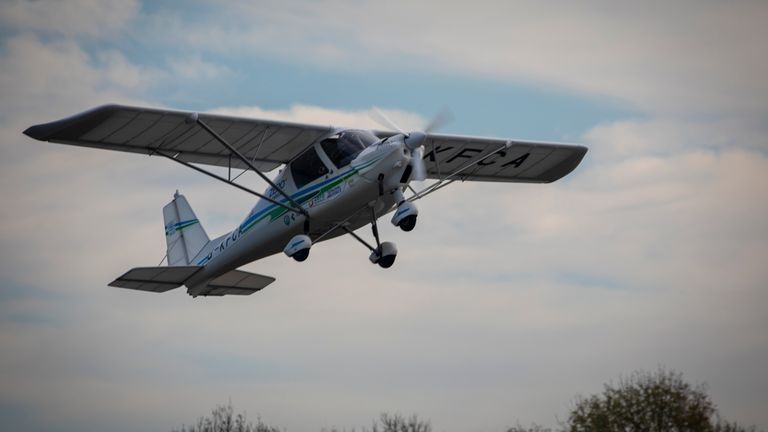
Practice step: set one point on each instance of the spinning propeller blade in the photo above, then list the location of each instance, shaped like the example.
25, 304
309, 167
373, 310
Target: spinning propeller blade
414, 141
417, 162
382, 119
442, 118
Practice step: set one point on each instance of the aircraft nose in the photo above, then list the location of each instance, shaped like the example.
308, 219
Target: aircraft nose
415, 140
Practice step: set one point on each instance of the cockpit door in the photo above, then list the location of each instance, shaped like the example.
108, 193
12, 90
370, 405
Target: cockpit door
308, 167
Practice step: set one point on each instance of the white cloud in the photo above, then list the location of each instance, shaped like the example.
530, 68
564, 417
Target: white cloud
341, 118
499, 286
665, 136
195, 67
691, 58
92, 18
43, 79
506, 300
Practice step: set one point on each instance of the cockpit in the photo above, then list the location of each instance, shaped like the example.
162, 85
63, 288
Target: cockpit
341, 150
347, 146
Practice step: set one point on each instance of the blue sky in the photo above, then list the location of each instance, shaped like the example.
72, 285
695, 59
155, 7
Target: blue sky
505, 302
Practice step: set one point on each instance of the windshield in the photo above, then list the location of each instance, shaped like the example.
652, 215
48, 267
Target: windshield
347, 146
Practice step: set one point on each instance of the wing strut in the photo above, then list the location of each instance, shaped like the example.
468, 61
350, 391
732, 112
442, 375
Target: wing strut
217, 177
297, 207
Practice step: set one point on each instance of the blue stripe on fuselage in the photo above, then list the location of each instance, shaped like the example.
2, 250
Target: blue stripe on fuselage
297, 195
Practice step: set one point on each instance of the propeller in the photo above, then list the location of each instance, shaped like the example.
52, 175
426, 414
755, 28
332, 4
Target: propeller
419, 172
441, 119
379, 117
414, 141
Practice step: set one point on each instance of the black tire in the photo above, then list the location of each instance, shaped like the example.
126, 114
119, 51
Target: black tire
408, 223
387, 261
301, 255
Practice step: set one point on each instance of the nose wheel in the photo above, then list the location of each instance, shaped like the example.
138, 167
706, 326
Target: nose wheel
406, 213
408, 223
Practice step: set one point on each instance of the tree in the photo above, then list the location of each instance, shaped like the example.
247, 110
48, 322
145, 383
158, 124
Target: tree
533, 428
398, 423
725, 426
649, 402
223, 419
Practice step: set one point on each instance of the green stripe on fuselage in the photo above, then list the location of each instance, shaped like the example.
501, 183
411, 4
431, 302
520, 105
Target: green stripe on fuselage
280, 211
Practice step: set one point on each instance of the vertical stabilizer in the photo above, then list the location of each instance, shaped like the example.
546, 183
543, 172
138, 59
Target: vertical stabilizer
184, 235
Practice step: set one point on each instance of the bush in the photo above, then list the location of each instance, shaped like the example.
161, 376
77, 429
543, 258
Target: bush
649, 402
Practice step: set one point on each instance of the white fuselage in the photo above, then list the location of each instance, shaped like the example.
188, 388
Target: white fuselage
341, 194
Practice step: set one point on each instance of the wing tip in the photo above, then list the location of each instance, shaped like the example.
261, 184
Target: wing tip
36, 132
47, 131
567, 166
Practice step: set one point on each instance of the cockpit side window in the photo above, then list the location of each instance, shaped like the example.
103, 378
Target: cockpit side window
342, 150
307, 168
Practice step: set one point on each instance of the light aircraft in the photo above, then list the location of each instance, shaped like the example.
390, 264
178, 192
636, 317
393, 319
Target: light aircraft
333, 181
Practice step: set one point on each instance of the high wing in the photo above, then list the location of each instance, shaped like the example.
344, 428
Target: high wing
490, 159
267, 143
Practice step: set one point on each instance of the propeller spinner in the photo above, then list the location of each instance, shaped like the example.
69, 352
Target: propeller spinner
414, 141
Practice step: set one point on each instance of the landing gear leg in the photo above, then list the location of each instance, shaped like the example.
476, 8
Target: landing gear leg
375, 227
381, 184
386, 252
383, 254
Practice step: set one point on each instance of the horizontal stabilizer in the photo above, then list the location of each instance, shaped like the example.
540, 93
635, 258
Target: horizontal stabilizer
238, 282
155, 279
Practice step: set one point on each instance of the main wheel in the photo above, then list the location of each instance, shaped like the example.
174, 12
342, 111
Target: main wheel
301, 255
408, 223
387, 261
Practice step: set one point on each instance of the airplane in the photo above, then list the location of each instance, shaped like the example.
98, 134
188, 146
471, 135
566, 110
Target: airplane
333, 181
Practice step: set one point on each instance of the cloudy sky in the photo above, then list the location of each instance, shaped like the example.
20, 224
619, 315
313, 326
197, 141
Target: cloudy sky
506, 301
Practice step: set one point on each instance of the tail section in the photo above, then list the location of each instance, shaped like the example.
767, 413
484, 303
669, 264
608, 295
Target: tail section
184, 235
186, 238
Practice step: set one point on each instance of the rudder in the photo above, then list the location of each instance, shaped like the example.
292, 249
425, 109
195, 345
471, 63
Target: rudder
184, 236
